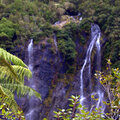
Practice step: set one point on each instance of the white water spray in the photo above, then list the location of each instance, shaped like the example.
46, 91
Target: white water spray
80, 19
31, 82
100, 93
94, 36
30, 55
55, 42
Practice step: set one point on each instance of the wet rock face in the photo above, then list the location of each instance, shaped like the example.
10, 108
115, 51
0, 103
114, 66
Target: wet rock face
47, 69
43, 73
43, 70
58, 99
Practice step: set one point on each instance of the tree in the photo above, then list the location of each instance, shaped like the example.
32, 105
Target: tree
111, 83
12, 73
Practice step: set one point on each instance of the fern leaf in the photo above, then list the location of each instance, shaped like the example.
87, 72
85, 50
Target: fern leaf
12, 79
11, 58
22, 72
16, 73
8, 72
21, 90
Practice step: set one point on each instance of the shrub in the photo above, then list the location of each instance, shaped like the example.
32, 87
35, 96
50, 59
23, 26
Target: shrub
7, 28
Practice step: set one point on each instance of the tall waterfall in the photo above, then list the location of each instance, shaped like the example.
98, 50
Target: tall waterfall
100, 93
95, 39
31, 82
30, 64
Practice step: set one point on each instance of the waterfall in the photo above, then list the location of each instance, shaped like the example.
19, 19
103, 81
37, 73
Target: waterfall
100, 93
31, 81
30, 63
95, 36
57, 23
98, 53
79, 16
55, 42
80, 19
30, 55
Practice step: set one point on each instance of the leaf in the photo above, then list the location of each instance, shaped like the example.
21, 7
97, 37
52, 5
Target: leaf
55, 112
79, 106
11, 58
3, 111
12, 79
73, 97
92, 96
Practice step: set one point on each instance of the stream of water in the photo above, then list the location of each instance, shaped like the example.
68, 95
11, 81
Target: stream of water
95, 40
31, 81
100, 93
55, 42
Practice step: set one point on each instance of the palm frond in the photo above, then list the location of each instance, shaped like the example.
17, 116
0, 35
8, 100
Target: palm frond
11, 58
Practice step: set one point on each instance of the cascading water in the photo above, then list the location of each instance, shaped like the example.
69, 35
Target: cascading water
55, 42
31, 82
30, 55
100, 93
95, 39
80, 18
57, 23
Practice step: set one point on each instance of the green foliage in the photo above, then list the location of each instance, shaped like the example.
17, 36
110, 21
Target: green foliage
7, 33
30, 18
6, 112
12, 73
48, 14
67, 38
81, 113
66, 46
7, 28
111, 84
106, 15
33, 19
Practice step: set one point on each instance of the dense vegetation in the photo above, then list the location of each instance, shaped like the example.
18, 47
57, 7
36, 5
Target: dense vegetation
21, 20
111, 82
12, 73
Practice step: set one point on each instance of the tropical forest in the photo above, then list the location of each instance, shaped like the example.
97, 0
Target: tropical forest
59, 59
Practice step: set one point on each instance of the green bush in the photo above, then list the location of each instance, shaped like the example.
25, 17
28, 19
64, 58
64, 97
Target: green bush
111, 83
7, 113
81, 114
7, 28
66, 46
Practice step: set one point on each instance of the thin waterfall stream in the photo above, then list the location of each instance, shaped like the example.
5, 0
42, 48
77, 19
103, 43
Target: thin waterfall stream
55, 42
31, 81
30, 55
94, 34
95, 40
100, 93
